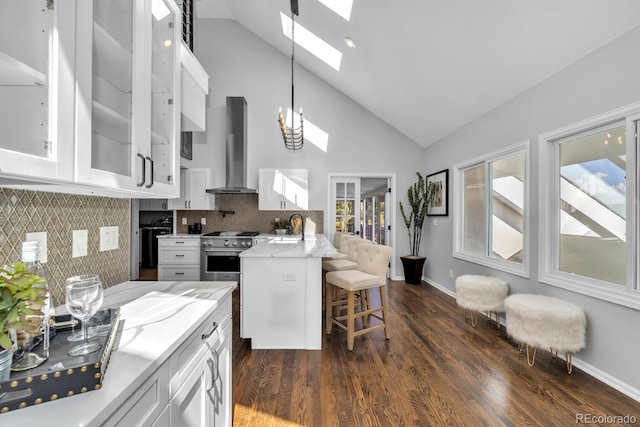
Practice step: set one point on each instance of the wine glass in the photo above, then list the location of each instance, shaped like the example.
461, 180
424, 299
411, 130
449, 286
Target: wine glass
77, 335
83, 299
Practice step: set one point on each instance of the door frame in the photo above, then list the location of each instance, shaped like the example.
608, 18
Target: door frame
392, 211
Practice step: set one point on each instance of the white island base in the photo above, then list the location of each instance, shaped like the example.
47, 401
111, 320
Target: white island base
281, 294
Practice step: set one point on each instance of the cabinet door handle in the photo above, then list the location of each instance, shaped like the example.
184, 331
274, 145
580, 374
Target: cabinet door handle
215, 326
144, 173
185, 204
151, 183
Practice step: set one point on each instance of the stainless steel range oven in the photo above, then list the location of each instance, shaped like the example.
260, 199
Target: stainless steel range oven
220, 258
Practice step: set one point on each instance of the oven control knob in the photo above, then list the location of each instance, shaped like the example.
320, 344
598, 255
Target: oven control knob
243, 243
235, 243
248, 244
226, 243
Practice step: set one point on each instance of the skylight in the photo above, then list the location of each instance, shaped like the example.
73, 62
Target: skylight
314, 44
341, 7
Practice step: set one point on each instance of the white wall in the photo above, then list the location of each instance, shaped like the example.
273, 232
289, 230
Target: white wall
604, 80
241, 64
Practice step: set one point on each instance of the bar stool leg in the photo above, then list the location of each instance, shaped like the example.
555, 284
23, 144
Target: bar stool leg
350, 320
328, 309
383, 303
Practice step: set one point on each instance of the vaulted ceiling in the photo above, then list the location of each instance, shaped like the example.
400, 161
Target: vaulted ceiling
428, 67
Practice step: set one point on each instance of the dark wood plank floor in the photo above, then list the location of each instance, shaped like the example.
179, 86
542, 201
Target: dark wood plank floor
435, 370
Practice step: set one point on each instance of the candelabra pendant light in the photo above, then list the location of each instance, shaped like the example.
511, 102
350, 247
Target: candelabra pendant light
293, 137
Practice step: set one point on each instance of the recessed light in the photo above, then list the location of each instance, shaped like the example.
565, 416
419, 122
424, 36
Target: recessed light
349, 42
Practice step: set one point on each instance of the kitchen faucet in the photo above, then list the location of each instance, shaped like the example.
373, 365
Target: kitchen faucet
297, 215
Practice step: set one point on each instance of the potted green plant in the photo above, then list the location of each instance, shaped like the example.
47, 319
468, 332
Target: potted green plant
420, 197
282, 226
22, 293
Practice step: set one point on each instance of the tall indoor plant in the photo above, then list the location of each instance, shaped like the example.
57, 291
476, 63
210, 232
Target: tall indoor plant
420, 197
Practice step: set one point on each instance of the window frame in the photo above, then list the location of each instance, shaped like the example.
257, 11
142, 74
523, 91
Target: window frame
519, 269
549, 232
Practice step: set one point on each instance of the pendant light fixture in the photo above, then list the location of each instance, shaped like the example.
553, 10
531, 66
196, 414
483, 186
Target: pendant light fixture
293, 137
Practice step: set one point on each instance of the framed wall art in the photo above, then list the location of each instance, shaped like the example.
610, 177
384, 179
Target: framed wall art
440, 203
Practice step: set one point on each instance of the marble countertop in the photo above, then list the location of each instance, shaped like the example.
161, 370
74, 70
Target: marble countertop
156, 317
316, 246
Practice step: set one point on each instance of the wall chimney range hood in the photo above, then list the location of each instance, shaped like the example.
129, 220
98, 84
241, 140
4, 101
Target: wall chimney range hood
236, 155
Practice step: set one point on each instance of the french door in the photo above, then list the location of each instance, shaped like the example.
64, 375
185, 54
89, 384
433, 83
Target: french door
344, 215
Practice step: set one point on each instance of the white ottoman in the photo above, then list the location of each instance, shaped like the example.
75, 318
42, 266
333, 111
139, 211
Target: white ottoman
481, 294
542, 321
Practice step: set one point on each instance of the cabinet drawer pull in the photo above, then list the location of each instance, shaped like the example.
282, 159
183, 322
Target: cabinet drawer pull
179, 243
179, 255
178, 273
215, 326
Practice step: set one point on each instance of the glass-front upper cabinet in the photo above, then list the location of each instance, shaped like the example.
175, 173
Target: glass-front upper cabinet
126, 116
164, 127
36, 84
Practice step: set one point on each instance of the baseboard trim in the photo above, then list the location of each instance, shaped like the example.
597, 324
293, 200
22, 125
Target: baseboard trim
609, 380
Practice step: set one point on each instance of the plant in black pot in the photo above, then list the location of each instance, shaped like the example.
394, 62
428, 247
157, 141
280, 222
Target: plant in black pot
420, 197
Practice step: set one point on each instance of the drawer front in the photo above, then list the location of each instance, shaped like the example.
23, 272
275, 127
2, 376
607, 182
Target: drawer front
184, 360
179, 273
173, 255
178, 243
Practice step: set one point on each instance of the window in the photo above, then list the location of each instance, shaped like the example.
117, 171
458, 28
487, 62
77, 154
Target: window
588, 214
490, 217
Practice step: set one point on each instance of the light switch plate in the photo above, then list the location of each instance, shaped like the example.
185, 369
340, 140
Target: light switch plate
41, 238
109, 238
80, 243
203, 221
184, 221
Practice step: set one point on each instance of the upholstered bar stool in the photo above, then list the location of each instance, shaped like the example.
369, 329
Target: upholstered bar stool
373, 261
351, 263
340, 240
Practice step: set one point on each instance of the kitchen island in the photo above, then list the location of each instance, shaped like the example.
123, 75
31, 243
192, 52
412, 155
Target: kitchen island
171, 365
281, 292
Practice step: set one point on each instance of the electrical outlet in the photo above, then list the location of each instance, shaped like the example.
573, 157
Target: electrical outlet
203, 221
275, 220
184, 221
289, 277
109, 238
450, 274
41, 238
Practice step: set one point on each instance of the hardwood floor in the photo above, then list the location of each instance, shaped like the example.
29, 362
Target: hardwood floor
435, 370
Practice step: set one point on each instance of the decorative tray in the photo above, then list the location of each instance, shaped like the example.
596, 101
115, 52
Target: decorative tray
63, 375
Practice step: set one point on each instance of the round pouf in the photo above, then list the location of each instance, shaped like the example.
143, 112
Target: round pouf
481, 293
542, 321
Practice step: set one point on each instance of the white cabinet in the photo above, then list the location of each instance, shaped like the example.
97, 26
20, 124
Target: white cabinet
201, 381
283, 189
204, 397
194, 89
146, 404
178, 258
90, 96
126, 109
193, 185
37, 54
153, 205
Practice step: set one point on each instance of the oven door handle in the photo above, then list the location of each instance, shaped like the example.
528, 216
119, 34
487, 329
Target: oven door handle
222, 252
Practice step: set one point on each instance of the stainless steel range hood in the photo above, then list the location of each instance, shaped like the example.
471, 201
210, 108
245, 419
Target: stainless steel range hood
236, 156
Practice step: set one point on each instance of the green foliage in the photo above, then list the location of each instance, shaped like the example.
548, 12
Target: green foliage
282, 224
420, 197
20, 292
